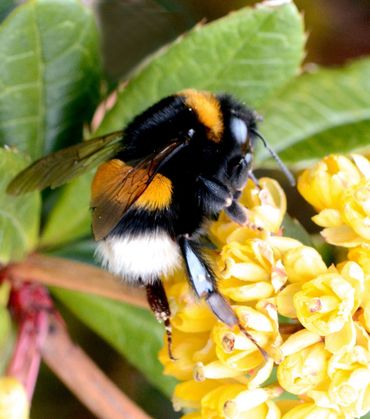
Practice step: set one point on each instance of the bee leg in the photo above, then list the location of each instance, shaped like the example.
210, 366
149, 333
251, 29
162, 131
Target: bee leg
158, 303
213, 195
203, 282
237, 179
240, 215
240, 173
237, 213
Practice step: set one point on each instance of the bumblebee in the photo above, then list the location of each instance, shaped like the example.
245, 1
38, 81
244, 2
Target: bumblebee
175, 166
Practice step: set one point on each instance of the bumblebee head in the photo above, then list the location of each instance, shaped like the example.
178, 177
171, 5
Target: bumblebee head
240, 130
240, 124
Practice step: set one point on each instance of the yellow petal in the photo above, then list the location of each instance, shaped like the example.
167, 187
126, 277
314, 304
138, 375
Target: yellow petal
261, 374
214, 370
346, 337
328, 218
341, 236
244, 401
303, 263
251, 292
311, 411
13, 399
362, 164
248, 272
190, 393
284, 300
304, 370
298, 341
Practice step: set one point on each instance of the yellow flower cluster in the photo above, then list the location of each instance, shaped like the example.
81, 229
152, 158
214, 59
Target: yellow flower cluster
312, 320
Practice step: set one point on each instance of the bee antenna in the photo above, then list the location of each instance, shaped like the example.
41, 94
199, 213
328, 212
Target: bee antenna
278, 160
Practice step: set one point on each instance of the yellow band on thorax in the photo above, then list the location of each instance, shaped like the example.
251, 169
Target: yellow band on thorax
207, 107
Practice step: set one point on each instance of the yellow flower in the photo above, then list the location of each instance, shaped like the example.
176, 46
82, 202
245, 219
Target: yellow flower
267, 203
356, 209
348, 387
188, 349
339, 189
311, 411
235, 350
262, 273
303, 263
250, 271
190, 393
349, 359
262, 324
235, 401
361, 255
190, 314
350, 391
323, 185
13, 399
265, 206
304, 370
325, 304
350, 226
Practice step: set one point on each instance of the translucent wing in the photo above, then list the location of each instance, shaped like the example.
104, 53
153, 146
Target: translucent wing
117, 186
58, 168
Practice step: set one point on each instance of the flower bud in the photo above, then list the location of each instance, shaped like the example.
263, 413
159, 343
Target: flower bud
350, 390
303, 264
325, 304
304, 370
234, 400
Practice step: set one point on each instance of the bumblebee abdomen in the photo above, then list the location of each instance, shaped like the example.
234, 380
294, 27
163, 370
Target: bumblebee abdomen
140, 258
157, 196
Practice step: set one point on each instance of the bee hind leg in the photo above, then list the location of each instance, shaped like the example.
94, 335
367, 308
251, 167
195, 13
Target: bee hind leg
203, 282
158, 303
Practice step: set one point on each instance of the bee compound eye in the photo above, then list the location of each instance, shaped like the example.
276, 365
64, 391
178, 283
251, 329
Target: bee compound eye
239, 130
248, 159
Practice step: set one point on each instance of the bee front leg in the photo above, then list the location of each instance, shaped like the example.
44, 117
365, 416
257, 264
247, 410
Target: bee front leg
158, 303
213, 195
237, 179
240, 173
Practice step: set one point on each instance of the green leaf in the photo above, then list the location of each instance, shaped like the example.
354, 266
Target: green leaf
6, 7
134, 332
251, 53
294, 229
82, 251
71, 211
19, 216
49, 74
325, 112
